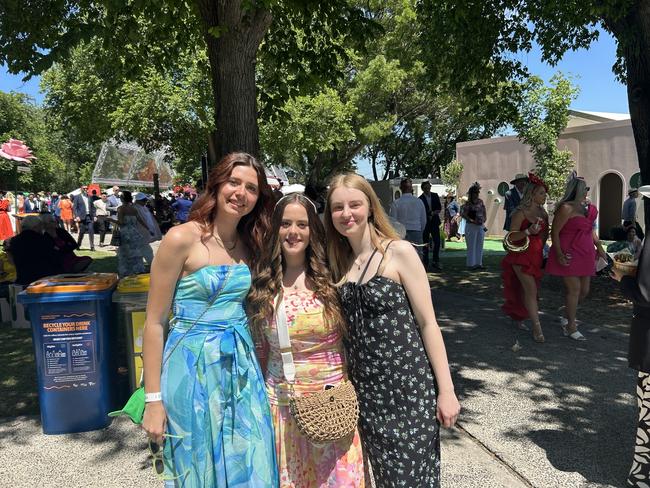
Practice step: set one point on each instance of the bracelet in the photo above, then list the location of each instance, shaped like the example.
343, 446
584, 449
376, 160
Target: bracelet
152, 397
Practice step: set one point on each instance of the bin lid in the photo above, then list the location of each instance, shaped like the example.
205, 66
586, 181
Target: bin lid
73, 283
134, 284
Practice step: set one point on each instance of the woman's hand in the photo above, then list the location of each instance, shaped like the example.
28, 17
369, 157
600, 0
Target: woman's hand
154, 421
616, 274
563, 259
448, 408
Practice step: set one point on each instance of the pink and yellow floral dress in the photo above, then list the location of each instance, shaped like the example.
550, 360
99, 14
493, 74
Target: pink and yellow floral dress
318, 356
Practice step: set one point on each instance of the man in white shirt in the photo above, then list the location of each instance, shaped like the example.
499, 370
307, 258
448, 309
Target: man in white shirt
101, 213
410, 212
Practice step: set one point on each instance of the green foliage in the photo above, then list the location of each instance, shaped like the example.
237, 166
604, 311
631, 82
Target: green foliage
544, 114
159, 108
400, 121
21, 119
451, 174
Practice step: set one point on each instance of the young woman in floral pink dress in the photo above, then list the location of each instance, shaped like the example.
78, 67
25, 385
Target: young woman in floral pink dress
294, 269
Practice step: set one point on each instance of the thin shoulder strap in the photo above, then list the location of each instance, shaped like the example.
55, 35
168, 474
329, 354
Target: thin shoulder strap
380, 268
360, 280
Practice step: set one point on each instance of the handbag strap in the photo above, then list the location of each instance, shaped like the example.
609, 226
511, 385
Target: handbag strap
288, 366
210, 303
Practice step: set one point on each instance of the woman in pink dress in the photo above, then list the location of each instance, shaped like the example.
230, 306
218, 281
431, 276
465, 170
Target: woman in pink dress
522, 271
574, 249
294, 268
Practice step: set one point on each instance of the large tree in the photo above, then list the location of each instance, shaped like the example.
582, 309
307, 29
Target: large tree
385, 110
303, 40
474, 45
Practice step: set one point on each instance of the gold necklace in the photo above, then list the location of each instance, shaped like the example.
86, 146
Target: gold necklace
223, 244
358, 263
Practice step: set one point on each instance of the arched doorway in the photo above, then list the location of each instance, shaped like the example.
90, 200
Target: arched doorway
610, 204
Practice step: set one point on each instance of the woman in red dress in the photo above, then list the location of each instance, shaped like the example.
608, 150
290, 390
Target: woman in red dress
522, 271
6, 231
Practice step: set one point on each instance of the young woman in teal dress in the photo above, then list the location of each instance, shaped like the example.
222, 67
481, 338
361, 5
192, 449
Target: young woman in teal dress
206, 399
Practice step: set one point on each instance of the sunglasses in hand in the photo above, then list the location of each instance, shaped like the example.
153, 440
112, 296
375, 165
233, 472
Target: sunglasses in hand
157, 458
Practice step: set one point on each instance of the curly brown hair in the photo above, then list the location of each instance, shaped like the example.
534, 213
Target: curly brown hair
267, 281
253, 227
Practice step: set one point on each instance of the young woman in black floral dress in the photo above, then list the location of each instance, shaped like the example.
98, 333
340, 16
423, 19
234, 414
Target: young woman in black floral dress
396, 354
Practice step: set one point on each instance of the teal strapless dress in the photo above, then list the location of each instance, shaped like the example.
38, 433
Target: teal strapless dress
213, 389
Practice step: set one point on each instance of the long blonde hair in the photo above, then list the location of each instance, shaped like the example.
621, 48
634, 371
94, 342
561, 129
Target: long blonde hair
339, 251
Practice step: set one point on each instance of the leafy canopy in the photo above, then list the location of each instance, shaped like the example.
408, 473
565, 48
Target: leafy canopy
544, 114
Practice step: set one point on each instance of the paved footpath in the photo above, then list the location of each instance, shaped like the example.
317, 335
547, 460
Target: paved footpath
560, 414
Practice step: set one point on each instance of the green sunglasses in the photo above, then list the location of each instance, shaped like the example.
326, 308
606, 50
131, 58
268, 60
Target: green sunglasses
157, 459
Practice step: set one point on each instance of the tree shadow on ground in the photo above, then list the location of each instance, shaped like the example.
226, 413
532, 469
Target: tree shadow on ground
565, 403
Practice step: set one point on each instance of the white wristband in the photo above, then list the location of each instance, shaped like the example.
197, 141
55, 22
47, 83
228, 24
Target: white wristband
152, 397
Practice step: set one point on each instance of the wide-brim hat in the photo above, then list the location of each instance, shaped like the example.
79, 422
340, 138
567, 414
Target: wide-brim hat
632, 190
141, 196
518, 177
645, 191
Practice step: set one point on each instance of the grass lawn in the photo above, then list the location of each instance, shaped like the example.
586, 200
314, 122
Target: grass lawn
18, 387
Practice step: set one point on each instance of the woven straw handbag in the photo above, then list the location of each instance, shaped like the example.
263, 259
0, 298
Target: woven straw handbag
510, 246
326, 416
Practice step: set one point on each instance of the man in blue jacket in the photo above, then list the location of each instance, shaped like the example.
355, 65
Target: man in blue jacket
513, 197
84, 214
182, 208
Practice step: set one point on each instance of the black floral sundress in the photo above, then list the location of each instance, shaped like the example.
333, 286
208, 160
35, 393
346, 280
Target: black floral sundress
395, 383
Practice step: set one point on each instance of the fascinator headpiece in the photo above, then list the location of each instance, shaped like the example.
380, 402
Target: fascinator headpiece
536, 180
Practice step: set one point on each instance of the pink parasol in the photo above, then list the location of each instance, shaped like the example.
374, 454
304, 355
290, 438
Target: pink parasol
16, 150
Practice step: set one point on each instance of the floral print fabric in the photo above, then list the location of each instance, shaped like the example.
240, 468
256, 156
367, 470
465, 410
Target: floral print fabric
318, 357
213, 389
395, 385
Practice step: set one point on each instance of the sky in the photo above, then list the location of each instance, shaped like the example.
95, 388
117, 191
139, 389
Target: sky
591, 70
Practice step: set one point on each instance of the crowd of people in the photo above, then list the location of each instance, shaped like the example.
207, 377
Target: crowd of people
355, 301
241, 264
130, 222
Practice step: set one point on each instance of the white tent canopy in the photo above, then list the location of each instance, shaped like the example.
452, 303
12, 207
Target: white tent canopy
127, 164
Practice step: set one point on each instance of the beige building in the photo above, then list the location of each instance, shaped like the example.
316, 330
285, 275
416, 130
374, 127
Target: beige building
603, 148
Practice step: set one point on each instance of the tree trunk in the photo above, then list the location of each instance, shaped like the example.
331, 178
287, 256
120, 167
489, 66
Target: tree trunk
633, 35
233, 36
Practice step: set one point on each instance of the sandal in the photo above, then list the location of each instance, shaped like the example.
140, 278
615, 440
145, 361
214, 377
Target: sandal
538, 335
575, 335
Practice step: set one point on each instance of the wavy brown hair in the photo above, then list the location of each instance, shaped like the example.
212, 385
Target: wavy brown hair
267, 283
252, 227
339, 251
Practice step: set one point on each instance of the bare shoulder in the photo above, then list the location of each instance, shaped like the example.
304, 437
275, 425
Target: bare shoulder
401, 249
181, 237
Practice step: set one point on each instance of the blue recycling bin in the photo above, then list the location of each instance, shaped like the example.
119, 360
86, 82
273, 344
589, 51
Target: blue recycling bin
71, 329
